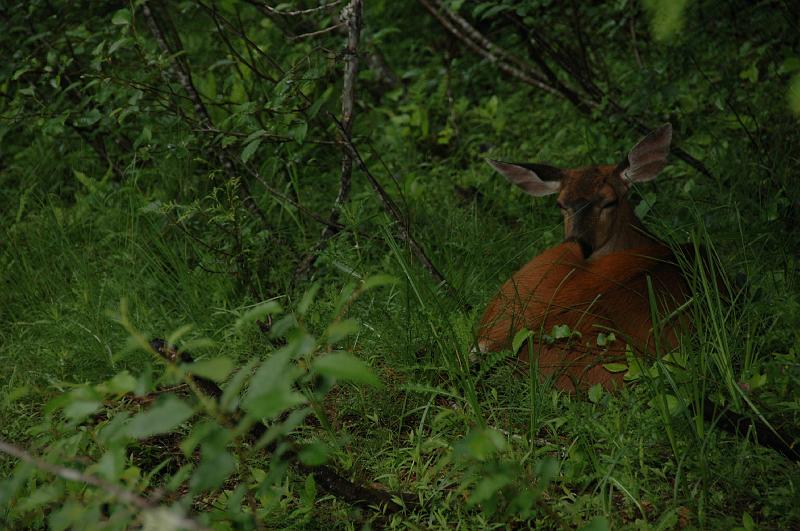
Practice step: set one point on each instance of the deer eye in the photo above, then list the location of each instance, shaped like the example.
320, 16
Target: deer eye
559, 205
610, 204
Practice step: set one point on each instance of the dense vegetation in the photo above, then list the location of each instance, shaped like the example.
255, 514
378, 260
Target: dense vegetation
296, 196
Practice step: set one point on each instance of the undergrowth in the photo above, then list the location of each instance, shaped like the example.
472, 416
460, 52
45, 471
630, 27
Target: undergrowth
364, 365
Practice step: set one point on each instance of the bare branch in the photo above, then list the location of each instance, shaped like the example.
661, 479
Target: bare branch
473, 39
126, 496
301, 11
352, 17
354, 156
318, 32
394, 212
180, 70
494, 54
326, 476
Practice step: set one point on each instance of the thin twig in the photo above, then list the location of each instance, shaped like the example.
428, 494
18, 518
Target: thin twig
70, 474
445, 17
473, 39
318, 32
352, 17
180, 70
634, 46
394, 212
301, 11
326, 476
386, 200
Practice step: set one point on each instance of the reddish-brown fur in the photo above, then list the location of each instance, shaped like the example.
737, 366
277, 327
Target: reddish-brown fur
597, 280
607, 294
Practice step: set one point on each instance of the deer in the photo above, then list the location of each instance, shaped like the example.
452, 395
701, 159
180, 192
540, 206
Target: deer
610, 274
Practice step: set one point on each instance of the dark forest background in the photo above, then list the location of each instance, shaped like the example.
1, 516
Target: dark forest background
296, 196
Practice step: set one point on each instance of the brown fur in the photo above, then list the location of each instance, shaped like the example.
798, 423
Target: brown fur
583, 194
597, 280
607, 294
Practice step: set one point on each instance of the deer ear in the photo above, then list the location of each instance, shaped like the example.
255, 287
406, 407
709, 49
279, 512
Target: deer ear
648, 157
529, 176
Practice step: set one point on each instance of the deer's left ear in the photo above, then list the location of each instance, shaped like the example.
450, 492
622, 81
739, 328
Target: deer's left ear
536, 179
648, 157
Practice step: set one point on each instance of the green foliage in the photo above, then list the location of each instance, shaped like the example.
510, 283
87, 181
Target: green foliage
115, 186
666, 17
202, 455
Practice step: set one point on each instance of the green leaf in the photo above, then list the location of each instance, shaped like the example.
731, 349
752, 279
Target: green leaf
254, 135
81, 409
598, 523
164, 417
214, 469
121, 383
69, 516
546, 469
90, 118
561, 332
340, 330
344, 296
309, 494
519, 338
479, 444
230, 395
299, 131
635, 369
376, 281
116, 45
250, 149
20, 72
615, 367
674, 406
270, 391
747, 521
16, 393
86, 181
308, 298
121, 17
272, 402
314, 454
789, 65
603, 340
346, 367
645, 205
794, 95
595, 393
201, 431
216, 369
488, 487
666, 17
199, 343
750, 73
756, 381
316, 106
259, 311
173, 338
109, 466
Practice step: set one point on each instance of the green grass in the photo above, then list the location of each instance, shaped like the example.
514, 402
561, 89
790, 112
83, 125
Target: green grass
480, 446
91, 265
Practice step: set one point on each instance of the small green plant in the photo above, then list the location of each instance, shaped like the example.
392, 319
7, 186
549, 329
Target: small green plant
205, 440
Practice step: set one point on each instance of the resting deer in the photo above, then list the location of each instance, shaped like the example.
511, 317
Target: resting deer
597, 279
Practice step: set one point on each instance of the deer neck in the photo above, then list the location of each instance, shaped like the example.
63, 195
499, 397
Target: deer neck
628, 233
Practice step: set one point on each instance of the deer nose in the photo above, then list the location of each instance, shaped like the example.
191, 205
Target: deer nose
586, 247
582, 229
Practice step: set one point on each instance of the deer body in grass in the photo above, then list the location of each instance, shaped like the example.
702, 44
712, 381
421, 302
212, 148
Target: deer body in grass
609, 275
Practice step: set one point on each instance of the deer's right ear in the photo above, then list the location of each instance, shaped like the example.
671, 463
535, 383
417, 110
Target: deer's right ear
648, 157
529, 176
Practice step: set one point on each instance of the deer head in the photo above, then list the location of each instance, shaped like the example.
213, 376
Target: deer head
593, 200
